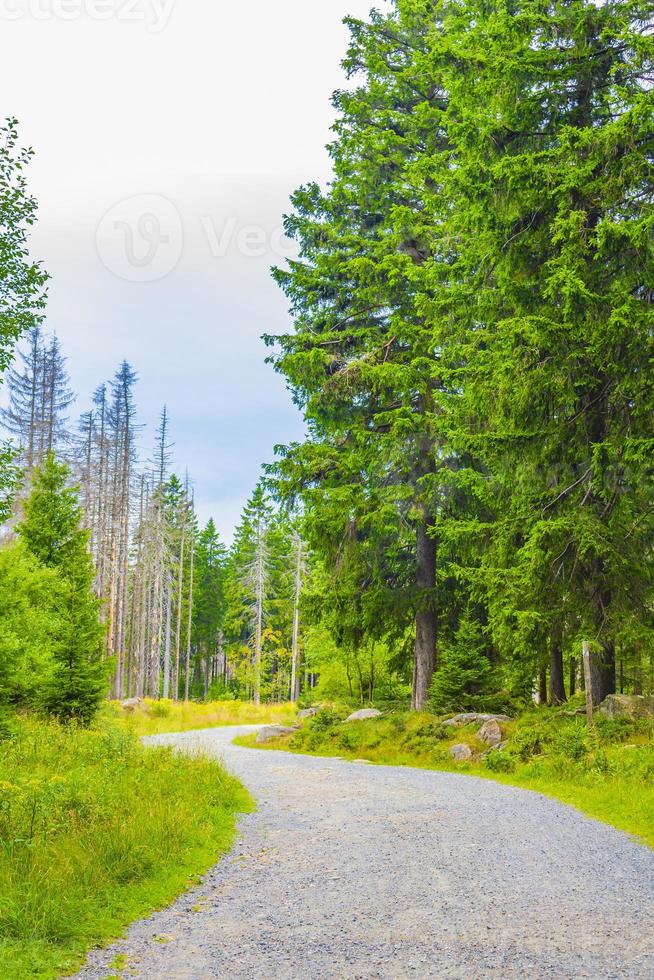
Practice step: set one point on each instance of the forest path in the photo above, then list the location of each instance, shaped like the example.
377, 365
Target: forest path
354, 871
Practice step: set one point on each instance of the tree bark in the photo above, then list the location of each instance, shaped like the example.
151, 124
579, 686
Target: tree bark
573, 676
424, 663
295, 663
557, 683
542, 686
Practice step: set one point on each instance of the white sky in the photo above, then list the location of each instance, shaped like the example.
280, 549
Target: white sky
204, 115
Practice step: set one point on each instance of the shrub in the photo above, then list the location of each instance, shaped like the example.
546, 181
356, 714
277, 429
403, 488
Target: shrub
326, 718
500, 762
572, 742
528, 742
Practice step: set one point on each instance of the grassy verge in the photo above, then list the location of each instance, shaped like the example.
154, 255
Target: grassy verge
96, 831
608, 775
159, 717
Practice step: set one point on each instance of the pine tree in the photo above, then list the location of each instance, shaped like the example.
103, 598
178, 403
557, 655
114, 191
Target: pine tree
52, 532
209, 602
550, 202
363, 362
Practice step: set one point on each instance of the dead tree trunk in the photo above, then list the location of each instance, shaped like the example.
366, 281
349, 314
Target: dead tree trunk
426, 617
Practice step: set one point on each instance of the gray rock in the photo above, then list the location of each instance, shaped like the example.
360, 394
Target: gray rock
494, 748
471, 717
274, 731
133, 704
490, 732
633, 706
364, 714
461, 753
308, 713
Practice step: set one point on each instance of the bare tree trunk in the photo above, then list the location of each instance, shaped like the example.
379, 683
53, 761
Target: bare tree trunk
295, 662
187, 679
178, 631
258, 634
169, 613
426, 618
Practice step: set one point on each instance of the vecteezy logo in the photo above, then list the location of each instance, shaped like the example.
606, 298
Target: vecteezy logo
140, 239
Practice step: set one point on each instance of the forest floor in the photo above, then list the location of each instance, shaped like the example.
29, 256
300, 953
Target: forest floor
353, 870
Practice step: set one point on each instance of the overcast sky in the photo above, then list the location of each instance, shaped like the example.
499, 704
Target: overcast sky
168, 137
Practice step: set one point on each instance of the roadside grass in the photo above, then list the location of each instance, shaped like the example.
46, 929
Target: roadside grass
608, 775
95, 832
160, 717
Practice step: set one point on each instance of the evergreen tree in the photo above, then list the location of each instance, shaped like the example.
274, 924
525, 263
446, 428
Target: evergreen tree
550, 203
209, 602
51, 530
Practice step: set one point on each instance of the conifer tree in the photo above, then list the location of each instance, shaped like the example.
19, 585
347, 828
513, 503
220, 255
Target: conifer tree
52, 532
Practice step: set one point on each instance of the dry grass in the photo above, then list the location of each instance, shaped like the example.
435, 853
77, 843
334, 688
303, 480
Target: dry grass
159, 717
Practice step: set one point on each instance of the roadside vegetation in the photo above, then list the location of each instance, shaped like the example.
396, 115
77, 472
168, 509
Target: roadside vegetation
97, 831
158, 717
607, 774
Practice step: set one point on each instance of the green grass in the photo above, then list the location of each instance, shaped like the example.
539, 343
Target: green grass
608, 775
96, 831
159, 717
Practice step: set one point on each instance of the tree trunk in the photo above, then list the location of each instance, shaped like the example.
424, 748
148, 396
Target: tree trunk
596, 672
573, 676
557, 683
169, 616
607, 671
424, 663
542, 686
189, 625
295, 663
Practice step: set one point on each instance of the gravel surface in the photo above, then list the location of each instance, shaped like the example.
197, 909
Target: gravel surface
358, 871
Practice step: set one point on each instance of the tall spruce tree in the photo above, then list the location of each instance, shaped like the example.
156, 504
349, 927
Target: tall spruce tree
363, 362
551, 193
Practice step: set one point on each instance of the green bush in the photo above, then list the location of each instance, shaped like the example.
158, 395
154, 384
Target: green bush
500, 762
528, 742
326, 718
617, 729
159, 709
572, 742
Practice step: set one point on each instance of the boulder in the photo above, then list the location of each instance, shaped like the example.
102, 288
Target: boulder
494, 748
308, 713
364, 714
274, 731
472, 717
461, 753
490, 732
133, 704
632, 706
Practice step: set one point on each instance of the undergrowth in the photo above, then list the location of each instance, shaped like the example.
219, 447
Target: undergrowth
608, 774
96, 831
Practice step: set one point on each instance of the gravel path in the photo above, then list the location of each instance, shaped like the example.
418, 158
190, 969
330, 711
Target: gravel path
355, 871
